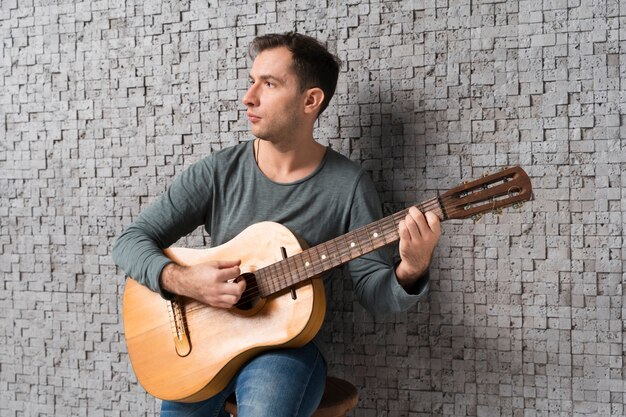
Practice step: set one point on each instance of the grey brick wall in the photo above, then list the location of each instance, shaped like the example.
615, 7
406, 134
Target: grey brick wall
103, 102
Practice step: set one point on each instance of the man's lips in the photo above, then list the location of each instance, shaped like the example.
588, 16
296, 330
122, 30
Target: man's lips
253, 117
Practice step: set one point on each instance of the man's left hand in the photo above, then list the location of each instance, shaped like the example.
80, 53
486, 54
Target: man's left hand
419, 234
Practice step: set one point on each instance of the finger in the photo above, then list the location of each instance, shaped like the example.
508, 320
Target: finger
236, 287
241, 286
227, 274
403, 231
433, 222
420, 219
227, 301
222, 264
412, 223
230, 300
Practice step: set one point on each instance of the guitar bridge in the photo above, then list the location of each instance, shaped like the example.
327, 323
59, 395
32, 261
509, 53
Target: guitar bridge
179, 328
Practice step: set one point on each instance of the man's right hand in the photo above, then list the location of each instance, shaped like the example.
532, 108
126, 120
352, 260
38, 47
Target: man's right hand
211, 283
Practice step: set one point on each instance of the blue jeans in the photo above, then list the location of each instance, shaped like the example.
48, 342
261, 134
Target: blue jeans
277, 383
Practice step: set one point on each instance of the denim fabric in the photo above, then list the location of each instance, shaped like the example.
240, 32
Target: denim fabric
278, 383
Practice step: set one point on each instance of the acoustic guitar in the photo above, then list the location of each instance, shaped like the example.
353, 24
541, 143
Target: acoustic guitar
183, 350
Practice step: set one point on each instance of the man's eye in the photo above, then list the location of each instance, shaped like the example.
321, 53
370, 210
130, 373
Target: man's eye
269, 84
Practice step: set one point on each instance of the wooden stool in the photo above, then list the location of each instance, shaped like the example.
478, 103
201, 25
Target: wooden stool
339, 397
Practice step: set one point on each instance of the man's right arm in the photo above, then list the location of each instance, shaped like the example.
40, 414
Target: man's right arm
181, 209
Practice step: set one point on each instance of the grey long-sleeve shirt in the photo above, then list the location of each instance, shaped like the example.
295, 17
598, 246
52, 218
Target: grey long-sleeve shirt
227, 192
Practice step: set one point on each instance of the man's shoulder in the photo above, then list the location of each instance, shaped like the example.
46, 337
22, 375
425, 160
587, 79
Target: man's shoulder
346, 176
339, 162
229, 156
230, 153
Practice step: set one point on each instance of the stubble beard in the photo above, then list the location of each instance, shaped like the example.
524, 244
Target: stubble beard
281, 131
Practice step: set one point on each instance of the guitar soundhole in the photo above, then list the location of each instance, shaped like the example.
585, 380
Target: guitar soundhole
250, 296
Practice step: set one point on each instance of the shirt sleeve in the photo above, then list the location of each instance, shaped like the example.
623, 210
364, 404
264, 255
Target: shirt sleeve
177, 212
373, 275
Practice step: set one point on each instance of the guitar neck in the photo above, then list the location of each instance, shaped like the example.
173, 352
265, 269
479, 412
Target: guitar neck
338, 251
508, 187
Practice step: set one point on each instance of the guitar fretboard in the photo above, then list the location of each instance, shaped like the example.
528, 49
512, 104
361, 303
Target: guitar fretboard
333, 253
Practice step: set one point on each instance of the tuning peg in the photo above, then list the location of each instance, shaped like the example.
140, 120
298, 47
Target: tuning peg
497, 211
518, 205
477, 217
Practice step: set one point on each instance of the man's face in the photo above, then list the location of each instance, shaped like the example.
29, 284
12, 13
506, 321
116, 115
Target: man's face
274, 100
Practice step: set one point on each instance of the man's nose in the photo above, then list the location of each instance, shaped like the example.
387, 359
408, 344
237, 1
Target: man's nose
250, 98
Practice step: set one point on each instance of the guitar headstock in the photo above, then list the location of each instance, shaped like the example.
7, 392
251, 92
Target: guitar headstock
489, 193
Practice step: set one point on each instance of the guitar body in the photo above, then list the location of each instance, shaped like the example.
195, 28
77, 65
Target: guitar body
218, 341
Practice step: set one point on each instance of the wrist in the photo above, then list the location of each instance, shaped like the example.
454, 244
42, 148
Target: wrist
406, 273
169, 280
409, 277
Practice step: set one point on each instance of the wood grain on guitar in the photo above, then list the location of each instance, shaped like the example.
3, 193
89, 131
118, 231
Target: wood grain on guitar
182, 350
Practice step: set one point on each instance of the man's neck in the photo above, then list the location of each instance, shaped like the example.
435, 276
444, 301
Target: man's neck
288, 162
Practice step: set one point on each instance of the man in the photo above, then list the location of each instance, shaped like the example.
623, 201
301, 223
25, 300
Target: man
284, 176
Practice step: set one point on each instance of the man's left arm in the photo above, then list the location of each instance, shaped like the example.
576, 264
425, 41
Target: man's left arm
380, 286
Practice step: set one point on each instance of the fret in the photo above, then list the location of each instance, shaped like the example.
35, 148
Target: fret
374, 235
300, 267
316, 267
321, 258
292, 272
333, 255
283, 277
280, 274
262, 285
395, 232
350, 245
343, 254
357, 240
275, 277
315, 256
307, 262
370, 235
397, 218
324, 256
269, 279
347, 254
392, 224
392, 228
378, 235
285, 280
336, 258
355, 245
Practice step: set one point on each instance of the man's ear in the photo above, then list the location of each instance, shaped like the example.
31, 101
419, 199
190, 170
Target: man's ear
313, 100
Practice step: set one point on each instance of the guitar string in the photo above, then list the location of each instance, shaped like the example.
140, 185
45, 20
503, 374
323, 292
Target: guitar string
387, 225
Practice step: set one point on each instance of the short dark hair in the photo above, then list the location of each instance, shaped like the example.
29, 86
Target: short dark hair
313, 64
